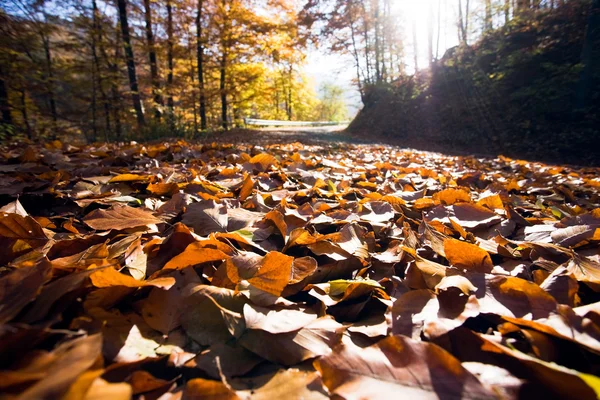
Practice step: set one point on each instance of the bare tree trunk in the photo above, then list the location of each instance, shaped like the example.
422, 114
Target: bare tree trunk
430, 35
24, 114
367, 45
4, 100
50, 81
158, 102
289, 96
415, 45
439, 30
467, 22
200, 56
194, 108
222, 79
93, 105
489, 25
589, 56
461, 23
97, 72
133, 83
170, 39
356, 61
377, 43
114, 89
506, 11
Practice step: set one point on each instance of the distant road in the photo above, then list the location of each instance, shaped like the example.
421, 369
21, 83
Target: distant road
306, 129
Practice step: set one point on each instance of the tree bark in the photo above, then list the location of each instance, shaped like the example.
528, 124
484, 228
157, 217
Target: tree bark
222, 80
158, 102
377, 43
415, 46
96, 37
506, 11
170, 104
4, 100
24, 114
461, 23
133, 83
489, 25
200, 55
289, 95
430, 35
589, 56
50, 80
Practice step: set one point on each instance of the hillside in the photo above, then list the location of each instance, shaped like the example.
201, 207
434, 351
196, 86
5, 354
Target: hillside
515, 92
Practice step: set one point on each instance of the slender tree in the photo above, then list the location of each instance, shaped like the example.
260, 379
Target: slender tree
200, 56
97, 72
590, 57
158, 102
170, 40
488, 26
131, 70
4, 100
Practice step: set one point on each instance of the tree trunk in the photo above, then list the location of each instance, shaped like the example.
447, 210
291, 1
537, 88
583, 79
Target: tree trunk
377, 42
133, 83
430, 35
489, 25
157, 98
192, 76
439, 30
467, 22
200, 55
367, 45
506, 11
4, 100
114, 89
50, 81
222, 78
170, 104
415, 45
24, 114
461, 23
356, 61
589, 57
93, 106
96, 68
289, 96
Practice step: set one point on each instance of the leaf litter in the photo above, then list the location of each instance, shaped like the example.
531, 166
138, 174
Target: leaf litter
182, 271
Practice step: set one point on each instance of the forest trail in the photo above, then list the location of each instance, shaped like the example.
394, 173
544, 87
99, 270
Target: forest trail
305, 135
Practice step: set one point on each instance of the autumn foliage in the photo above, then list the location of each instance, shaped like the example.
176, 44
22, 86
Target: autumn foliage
222, 271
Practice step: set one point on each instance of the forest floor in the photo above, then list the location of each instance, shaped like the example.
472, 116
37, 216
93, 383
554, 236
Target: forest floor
295, 264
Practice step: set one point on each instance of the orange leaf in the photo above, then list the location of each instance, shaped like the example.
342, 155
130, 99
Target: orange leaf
110, 277
467, 256
451, 196
195, 253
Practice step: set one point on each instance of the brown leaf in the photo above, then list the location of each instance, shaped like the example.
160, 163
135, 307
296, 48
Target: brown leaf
397, 365
314, 339
120, 217
214, 314
20, 287
62, 367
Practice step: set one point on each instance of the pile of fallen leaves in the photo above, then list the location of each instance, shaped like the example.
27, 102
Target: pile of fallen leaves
295, 271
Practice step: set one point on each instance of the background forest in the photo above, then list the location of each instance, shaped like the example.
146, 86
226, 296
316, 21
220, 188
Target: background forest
112, 70
522, 79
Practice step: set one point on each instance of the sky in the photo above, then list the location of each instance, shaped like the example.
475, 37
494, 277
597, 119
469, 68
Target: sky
323, 67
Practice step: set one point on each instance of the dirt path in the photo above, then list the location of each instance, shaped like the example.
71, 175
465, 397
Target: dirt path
308, 135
